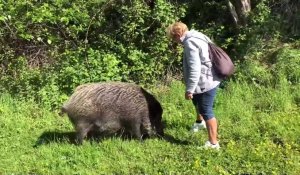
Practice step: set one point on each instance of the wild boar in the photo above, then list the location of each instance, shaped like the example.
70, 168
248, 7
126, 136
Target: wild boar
114, 107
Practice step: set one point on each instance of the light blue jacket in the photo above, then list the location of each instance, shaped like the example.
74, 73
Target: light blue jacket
199, 76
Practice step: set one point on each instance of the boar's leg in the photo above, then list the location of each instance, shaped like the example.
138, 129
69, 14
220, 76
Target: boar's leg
136, 130
82, 128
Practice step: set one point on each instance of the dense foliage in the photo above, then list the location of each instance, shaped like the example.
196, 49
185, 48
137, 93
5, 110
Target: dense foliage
49, 47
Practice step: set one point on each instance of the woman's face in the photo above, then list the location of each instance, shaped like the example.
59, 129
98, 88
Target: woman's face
176, 38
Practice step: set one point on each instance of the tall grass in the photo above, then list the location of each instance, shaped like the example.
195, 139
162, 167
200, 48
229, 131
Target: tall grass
259, 131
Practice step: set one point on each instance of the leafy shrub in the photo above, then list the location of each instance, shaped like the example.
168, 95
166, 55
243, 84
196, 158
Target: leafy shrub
286, 64
56, 45
254, 71
76, 69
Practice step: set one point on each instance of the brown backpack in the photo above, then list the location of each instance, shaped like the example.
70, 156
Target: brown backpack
221, 62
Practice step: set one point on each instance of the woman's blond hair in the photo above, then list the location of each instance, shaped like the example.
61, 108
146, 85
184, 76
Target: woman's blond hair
177, 28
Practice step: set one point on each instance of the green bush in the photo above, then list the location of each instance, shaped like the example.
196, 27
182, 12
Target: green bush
286, 65
254, 71
76, 69
56, 45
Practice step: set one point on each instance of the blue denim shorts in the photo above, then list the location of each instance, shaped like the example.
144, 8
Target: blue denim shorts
204, 103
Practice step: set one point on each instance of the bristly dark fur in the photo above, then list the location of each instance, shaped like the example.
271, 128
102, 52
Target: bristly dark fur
110, 108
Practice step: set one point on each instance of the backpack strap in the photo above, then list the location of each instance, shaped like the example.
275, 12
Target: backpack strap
208, 42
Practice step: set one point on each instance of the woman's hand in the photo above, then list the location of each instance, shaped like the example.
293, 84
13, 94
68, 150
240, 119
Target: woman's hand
188, 95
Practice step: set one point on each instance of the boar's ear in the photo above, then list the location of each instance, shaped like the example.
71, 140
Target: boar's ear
158, 110
155, 108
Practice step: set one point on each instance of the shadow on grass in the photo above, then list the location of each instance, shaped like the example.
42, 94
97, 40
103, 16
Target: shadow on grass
55, 137
70, 137
174, 140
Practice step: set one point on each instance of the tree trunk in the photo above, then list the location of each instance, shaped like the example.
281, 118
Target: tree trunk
239, 10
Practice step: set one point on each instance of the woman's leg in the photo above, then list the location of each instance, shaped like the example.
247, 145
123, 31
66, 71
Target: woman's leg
206, 110
212, 129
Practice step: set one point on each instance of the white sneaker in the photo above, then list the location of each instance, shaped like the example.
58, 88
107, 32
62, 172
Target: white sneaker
208, 145
197, 126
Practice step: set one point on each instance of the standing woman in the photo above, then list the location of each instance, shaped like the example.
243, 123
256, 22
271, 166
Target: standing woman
201, 81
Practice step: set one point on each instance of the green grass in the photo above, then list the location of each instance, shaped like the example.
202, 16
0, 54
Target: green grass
259, 133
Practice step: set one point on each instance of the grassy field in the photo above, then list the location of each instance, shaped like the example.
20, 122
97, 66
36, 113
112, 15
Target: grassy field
259, 133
